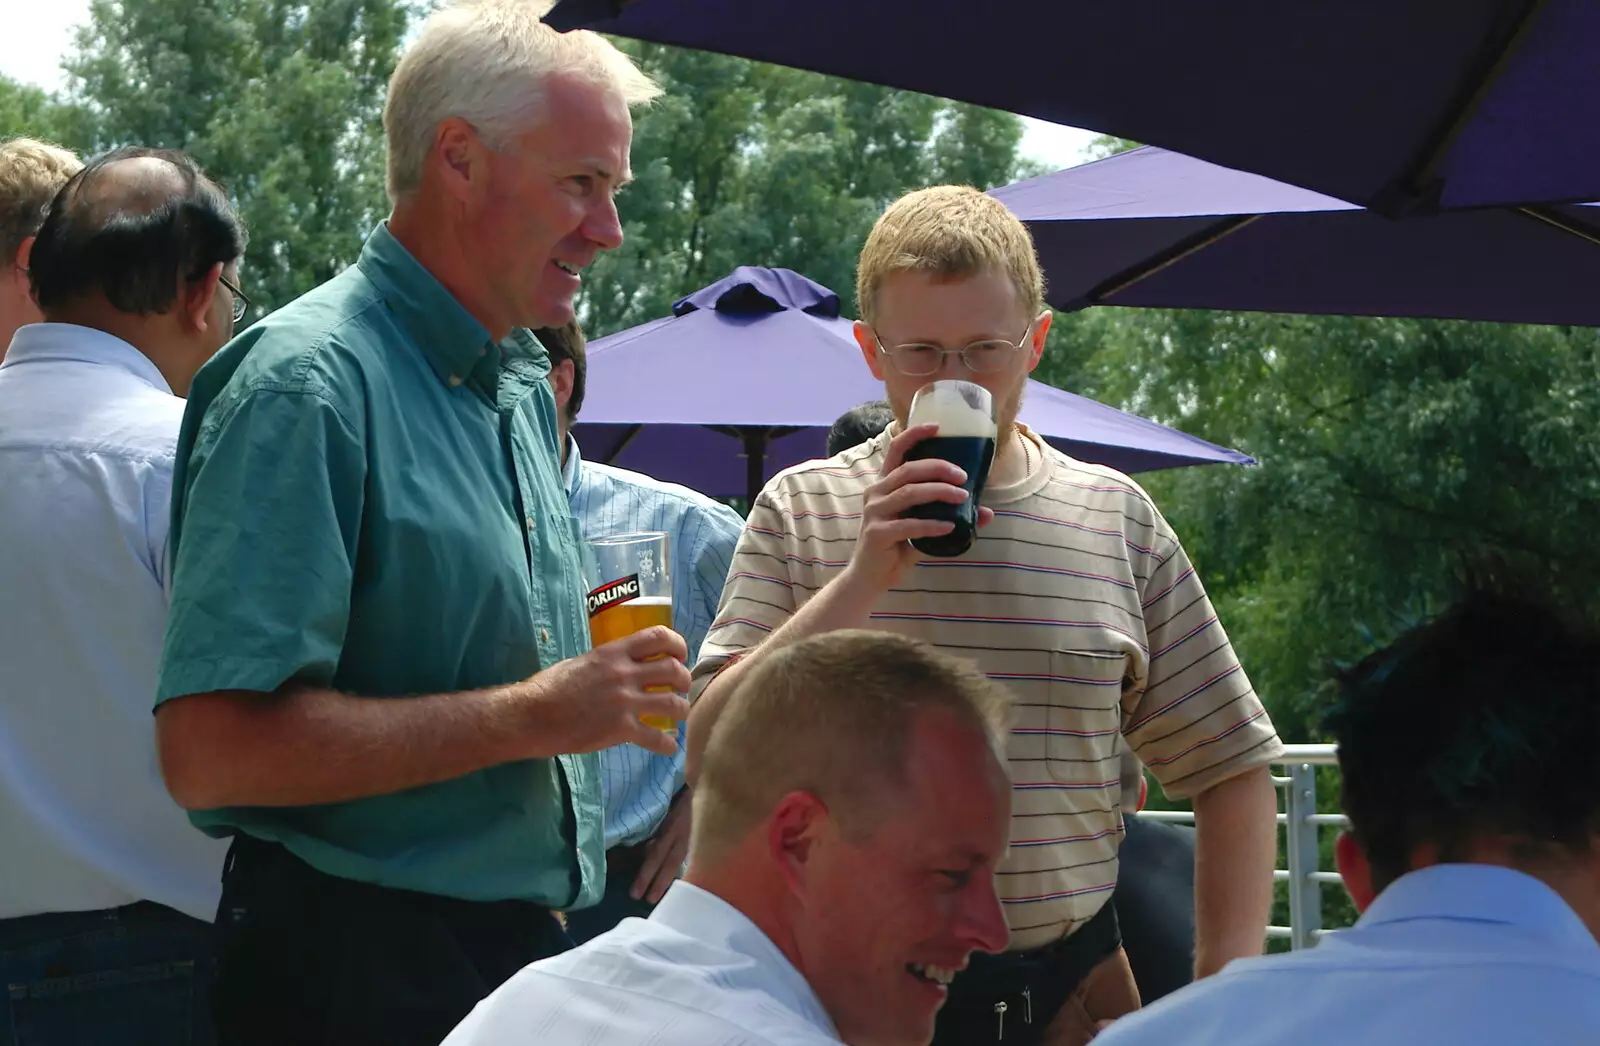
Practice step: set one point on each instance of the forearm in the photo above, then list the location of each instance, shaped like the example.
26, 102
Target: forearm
304, 746
845, 602
1236, 848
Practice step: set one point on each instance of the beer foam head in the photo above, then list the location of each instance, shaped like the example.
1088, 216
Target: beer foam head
959, 408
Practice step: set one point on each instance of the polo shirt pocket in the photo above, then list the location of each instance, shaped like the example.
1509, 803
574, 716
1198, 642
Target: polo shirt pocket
1084, 714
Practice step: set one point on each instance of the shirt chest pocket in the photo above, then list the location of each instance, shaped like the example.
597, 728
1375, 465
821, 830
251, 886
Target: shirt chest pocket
1084, 713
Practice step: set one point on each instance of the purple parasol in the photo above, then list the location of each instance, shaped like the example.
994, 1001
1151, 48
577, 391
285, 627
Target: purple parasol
746, 375
1399, 105
1155, 228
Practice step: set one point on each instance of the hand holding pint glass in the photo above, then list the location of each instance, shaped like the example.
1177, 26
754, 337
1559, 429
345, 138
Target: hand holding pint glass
634, 593
964, 412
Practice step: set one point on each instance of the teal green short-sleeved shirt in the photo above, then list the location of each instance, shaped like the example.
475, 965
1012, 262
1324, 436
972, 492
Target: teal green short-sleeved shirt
368, 497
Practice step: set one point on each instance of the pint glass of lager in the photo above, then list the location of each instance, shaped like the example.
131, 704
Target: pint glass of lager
635, 592
964, 413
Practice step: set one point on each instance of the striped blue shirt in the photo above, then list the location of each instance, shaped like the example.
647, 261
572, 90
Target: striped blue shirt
636, 785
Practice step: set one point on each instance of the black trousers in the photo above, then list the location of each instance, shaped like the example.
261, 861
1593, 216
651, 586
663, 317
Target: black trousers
1012, 997
306, 958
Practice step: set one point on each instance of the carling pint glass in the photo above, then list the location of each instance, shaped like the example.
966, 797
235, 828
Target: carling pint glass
964, 413
635, 592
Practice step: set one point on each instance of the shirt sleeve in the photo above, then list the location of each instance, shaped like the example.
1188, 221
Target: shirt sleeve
717, 531
758, 597
266, 537
1198, 720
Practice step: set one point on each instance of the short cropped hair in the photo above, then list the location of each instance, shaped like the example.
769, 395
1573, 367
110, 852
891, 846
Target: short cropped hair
1480, 723
132, 245
485, 61
858, 424
31, 173
566, 344
833, 715
950, 232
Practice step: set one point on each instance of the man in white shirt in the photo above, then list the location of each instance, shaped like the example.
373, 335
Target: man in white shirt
106, 890
1473, 854
850, 813
31, 173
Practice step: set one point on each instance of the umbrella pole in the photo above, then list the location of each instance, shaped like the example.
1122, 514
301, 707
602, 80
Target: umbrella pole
755, 459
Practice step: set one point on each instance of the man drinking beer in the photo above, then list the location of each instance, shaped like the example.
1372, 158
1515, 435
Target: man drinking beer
1075, 593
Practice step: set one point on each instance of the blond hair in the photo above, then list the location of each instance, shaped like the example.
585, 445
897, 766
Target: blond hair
31, 173
485, 61
950, 232
833, 715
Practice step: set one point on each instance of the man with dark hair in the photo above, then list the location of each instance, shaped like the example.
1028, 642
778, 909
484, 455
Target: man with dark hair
858, 424
646, 804
31, 173
1473, 853
108, 891
1154, 897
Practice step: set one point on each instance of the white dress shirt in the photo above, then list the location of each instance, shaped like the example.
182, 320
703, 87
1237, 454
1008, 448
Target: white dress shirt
1466, 954
87, 432
696, 973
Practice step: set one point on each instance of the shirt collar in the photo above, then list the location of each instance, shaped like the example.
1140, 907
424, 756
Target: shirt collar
572, 468
70, 343
451, 338
702, 915
1482, 893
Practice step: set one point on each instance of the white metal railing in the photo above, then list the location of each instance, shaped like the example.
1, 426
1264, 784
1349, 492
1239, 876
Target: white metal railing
1302, 824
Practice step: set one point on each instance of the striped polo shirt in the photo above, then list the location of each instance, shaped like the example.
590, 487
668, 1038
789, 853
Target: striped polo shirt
1080, 599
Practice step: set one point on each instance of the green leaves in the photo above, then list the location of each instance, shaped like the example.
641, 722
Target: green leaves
280, 101
749, 164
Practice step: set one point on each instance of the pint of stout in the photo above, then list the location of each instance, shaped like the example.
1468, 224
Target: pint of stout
964, 413
636, 594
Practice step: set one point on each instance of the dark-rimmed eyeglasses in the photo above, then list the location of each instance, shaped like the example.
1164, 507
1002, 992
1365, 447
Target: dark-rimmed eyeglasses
918, 360
241, 300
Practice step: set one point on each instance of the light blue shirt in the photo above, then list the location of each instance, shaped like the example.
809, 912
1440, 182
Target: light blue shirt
637, 786
1470, 955
88, 429
696, 973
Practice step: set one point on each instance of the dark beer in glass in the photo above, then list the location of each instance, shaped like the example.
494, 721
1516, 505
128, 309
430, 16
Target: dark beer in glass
964, 413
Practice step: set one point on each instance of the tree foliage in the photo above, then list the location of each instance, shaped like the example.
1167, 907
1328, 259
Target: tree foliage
280, 101
742, 163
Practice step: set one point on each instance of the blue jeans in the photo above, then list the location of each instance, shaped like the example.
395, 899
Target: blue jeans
132, 976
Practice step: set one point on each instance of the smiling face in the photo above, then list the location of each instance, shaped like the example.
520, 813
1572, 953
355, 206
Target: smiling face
550, 205
887, 920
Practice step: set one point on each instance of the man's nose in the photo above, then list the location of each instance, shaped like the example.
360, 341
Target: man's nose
604, 225
984, 919
953, 366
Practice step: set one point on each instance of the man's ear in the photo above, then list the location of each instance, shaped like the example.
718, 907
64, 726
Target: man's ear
868, 342
797, 826
1355, 869
1037, 336
460, 159
195, 298
561, 378
24, 253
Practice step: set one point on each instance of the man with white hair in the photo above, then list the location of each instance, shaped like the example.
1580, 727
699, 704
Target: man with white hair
376, 675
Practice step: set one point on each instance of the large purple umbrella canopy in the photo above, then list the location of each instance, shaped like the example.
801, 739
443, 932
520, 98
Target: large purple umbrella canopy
1397, 105
1155, 228
746, 376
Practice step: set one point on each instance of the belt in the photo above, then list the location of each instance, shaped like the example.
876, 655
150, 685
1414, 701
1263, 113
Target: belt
1013, 996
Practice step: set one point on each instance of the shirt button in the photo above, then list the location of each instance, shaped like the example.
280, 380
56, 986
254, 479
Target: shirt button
455, 381
544, 634
529, 522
